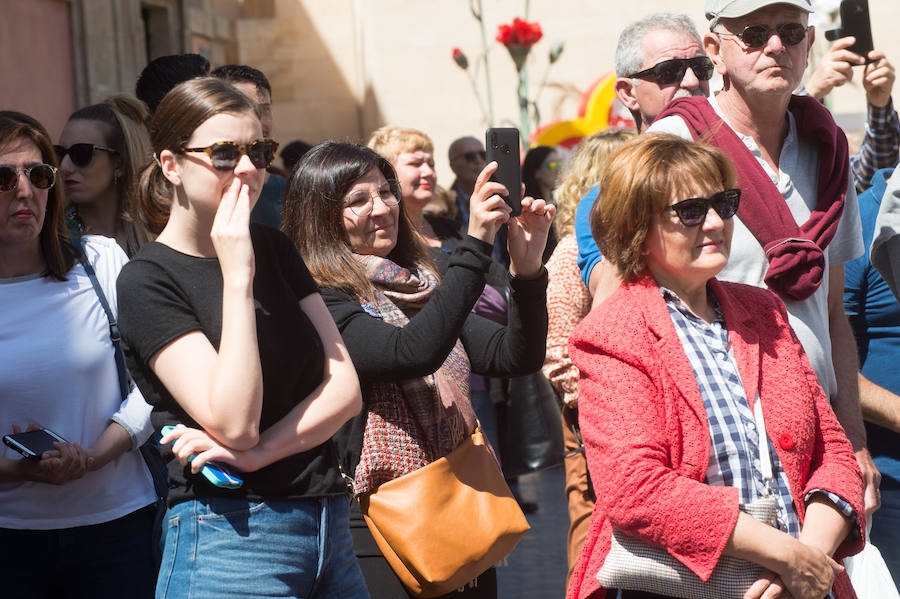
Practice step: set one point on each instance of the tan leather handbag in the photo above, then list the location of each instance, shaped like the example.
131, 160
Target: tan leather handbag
443, 525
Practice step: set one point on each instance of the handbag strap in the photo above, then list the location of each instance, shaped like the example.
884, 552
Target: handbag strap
78, 244
150, 449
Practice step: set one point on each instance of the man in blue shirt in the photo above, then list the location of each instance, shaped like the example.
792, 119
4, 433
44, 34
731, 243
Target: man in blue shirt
875, 317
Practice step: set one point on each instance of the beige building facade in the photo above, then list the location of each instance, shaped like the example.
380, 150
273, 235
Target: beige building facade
341, 68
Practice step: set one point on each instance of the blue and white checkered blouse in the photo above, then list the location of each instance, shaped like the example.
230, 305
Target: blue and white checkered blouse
734, 457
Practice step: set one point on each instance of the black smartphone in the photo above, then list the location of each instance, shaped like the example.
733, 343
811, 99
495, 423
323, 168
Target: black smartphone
855, 22
502, 144
32, 444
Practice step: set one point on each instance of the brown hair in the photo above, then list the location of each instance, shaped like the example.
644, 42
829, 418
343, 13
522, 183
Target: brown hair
390, 142
583, 172
313, 205
187, 106
58, 254
639, 181
123, 117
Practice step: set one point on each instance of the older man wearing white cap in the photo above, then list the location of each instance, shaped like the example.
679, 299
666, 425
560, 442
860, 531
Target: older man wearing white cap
799, 220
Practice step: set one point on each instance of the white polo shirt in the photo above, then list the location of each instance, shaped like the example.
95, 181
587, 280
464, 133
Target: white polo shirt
797, 180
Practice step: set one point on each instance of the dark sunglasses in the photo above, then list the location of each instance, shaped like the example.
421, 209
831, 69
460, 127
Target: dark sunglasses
80, 154
673, 70
757, 36
42, 176
693, 211
472, 156
226, 154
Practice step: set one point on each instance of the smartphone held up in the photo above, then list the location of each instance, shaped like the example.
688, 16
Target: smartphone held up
854, 21
502, 146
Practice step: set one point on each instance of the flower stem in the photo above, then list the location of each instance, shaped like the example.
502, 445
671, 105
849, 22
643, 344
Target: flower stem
484, 60
524, 120
484, 114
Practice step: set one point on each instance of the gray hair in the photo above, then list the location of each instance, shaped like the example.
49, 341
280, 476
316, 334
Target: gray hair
630, 49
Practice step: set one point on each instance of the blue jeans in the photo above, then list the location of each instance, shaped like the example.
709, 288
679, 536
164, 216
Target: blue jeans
222, 547
100, 561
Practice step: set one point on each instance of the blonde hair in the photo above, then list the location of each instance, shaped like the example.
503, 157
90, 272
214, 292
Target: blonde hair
583, 172
390, 142
639, 181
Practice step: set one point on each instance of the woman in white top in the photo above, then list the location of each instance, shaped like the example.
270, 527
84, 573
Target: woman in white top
77, 520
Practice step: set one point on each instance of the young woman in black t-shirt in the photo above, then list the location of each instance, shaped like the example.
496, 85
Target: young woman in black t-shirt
226, 333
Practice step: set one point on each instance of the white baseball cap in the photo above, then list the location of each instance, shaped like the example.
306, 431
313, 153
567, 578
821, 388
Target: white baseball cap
730, 9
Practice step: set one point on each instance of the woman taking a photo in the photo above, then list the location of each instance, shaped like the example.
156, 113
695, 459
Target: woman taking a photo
227, 334
690, 387
77, 521
413, 341
101, 152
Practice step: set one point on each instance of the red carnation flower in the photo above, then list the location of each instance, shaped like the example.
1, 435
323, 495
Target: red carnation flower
519, 33
460, 59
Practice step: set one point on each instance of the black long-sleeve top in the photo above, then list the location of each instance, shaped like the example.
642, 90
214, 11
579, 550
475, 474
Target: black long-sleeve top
382, 352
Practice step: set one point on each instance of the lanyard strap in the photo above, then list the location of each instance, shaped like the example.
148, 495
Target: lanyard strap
765, 458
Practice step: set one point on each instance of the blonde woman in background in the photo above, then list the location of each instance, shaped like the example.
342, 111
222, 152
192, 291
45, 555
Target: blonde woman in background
101, 152
568, 301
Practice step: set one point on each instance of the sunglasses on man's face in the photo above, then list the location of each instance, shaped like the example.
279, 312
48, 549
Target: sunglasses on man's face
755, 37
692, 212
673, 70
472, 156
80, 154
225, 155
42, 176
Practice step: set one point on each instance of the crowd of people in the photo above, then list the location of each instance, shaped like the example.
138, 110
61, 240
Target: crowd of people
232, 357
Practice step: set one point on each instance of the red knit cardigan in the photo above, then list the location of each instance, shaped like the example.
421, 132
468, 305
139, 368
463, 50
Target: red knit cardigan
647, 435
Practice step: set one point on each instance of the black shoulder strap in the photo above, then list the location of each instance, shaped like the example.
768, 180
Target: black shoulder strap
78, 244
150, 449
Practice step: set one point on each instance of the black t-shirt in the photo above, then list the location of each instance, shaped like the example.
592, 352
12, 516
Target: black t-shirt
165, 294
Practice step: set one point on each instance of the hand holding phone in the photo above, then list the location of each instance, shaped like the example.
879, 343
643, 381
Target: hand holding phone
488, 210
855, 22
528, 237
33, 444
502, 146
67, 462
217, 474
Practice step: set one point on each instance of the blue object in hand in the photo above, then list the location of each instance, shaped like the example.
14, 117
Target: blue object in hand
215, 473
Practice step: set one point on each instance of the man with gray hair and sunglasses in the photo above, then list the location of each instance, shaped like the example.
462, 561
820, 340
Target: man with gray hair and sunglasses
799, 219
658, 58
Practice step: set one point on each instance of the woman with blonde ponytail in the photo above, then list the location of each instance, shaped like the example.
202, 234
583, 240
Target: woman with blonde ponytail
102, 150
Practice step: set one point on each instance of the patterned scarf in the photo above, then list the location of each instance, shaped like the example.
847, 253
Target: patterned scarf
412, 422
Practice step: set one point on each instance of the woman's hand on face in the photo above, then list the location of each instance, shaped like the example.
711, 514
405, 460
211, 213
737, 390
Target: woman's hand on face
230, 234
528, 237
487, 208
195, 442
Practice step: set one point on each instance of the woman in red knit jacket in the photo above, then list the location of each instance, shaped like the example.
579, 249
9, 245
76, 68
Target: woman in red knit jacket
675, 366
